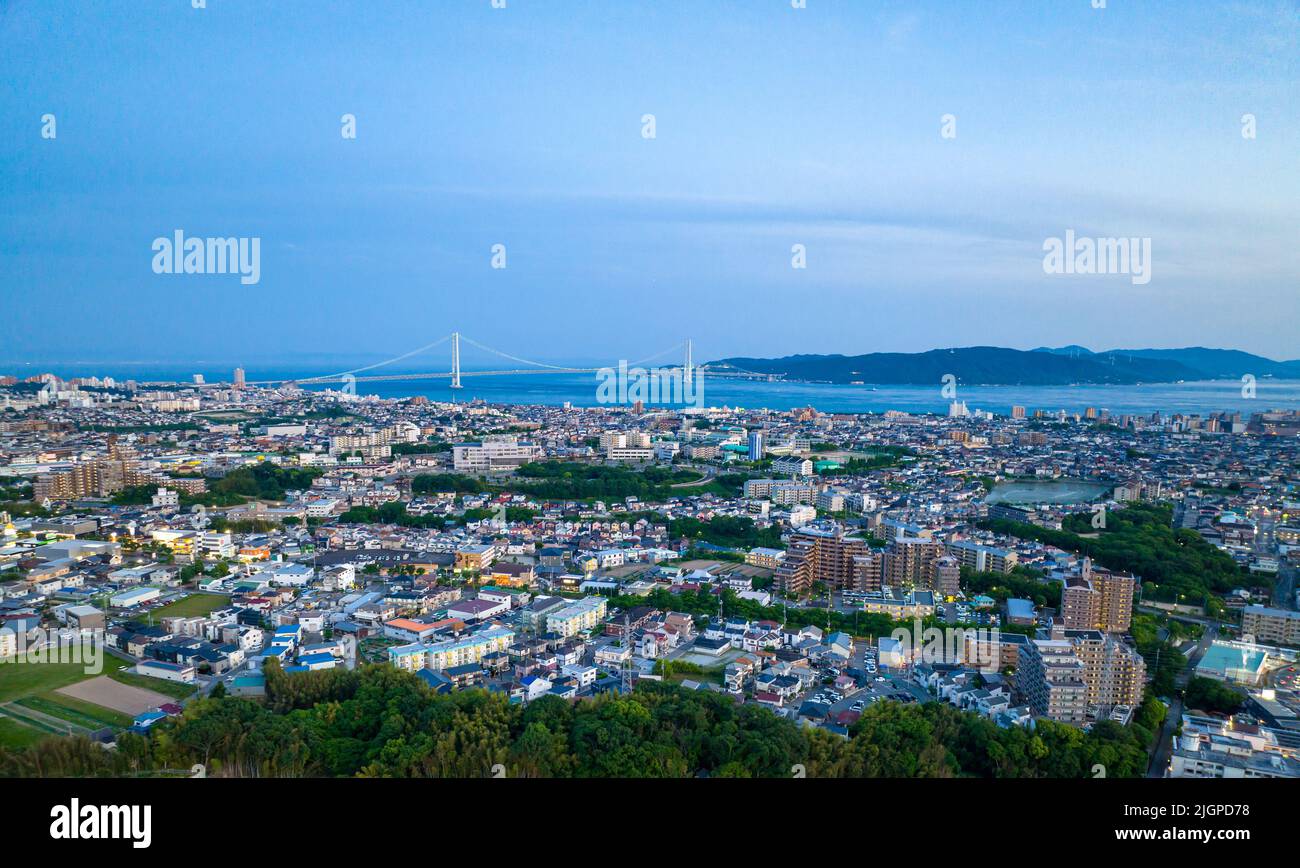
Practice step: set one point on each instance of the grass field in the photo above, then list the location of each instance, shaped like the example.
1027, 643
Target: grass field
19, 680
16, 735
31, 688
76, 711
192, 606
174, 689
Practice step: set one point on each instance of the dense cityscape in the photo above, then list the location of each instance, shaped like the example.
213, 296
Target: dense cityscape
553, 585
887, 410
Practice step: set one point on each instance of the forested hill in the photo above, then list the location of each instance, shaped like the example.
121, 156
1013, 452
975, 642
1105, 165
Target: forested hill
970, 365
1000, 366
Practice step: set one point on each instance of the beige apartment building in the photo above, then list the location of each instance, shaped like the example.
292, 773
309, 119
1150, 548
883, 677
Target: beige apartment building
908, 561
1050, 676
1098, 600
1271, 626
1113, 670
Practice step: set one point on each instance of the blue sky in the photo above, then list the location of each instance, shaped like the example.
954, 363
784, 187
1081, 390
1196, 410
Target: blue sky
522, 126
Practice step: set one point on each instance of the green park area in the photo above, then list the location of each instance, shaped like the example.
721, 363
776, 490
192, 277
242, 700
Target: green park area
193, 606
31, 707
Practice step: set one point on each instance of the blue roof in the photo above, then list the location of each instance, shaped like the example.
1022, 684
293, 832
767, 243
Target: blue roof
439, 682
1017, 608
309, 659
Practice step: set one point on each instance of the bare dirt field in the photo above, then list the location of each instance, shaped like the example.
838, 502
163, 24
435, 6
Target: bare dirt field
701, 564
112, 694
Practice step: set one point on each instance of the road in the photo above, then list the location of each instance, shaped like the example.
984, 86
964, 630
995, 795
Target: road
1160, 759
709, 473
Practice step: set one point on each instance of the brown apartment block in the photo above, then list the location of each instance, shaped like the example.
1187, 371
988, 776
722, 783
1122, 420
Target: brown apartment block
945, 576
1098, 600
844, 563
908, 562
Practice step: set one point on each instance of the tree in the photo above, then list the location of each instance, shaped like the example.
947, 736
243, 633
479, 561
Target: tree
1206, 694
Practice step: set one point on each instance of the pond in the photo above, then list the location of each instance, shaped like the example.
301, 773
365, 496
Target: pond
1053, 491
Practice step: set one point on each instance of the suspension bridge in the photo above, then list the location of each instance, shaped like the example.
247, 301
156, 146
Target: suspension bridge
456, 373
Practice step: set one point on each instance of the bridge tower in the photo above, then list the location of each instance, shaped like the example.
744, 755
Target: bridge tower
455, 360
688, 370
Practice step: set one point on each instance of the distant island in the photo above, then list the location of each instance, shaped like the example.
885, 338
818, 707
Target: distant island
1045, 366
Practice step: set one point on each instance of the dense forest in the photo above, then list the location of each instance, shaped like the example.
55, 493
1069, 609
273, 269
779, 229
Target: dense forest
571, 480
566, 480
726, 530
378, 721
262, 481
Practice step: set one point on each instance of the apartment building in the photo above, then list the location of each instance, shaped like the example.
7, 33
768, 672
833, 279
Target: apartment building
985, 559
908, 561
781, 492
1113, 670
827, 555
831, 500
1011, 512
793, 466
470, 648
475, 556
993, 647
1098, 600
533, 617
1050, 677
945, 576
371, 445
899, 603
106, 476
1271, 626
580, 615
764, 557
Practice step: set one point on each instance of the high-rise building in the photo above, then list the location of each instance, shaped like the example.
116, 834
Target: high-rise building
756, 446
908, 561
829, 556
945, 576
1098, 600
239, 378
1113, 670
1050, 676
